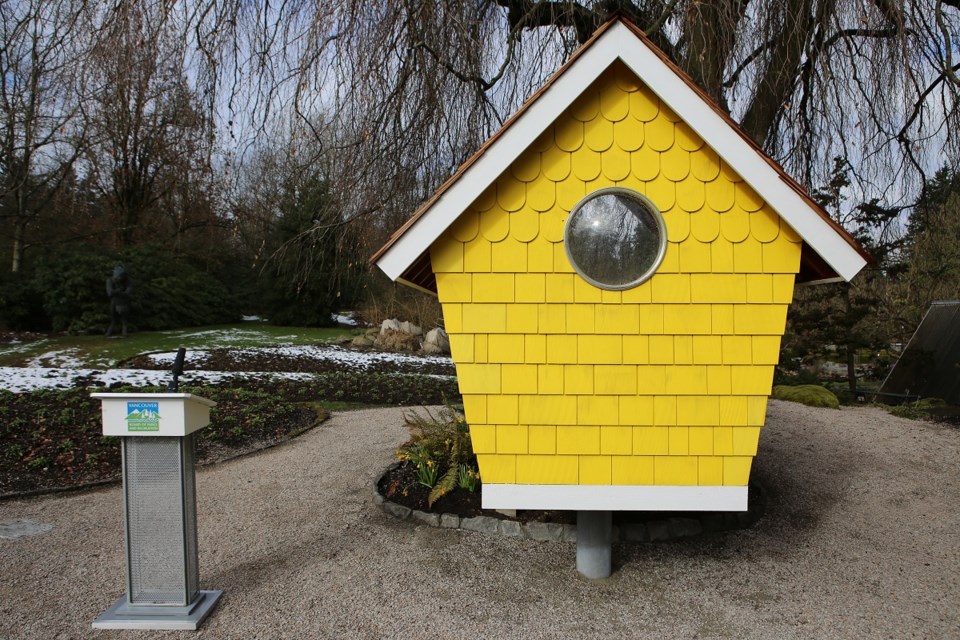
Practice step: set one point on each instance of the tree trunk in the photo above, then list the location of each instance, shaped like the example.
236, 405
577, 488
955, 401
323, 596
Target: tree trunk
19, 232
851, 344
778, 79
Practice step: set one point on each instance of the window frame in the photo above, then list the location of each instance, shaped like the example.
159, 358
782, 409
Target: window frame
644, 202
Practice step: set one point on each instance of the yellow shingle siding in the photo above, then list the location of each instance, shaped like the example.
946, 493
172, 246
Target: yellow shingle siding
665, 383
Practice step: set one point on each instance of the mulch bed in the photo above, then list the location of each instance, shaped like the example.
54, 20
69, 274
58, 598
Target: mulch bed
400, 485
52, 440
266, 360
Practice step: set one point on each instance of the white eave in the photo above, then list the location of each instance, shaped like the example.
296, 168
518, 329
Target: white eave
619, 42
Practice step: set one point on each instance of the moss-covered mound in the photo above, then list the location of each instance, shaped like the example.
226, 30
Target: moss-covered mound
812, 395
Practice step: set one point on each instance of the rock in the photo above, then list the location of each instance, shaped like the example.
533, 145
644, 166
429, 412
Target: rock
658, 530
449, 521
483, 524
511, 529
431, 519
685, 527
342, 340
390, 340
397, 510
361, 341
634, 532
391, 324
409, 327
436, 342
543, 530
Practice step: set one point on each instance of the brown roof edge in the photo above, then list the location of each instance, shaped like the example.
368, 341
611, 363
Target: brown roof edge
469, 162
790, 182
793, 184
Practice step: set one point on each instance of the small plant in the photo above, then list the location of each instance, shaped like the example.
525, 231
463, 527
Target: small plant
425, 465
440, 447
468, 478
91, 459
66, 445
13, 451
40, 462
108, 441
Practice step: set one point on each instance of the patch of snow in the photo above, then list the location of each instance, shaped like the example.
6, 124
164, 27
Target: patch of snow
230, 337
19, 379
251, 318
193, 357
347, 357
345, 318
65, 359
20, 347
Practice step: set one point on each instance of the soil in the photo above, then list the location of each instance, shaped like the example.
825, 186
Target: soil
52, 440
399, 484
265, 360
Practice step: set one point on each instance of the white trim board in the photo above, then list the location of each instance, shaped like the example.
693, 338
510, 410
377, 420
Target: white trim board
581, 497
620, 43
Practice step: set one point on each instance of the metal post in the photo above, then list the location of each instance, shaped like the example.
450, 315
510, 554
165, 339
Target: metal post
594, 530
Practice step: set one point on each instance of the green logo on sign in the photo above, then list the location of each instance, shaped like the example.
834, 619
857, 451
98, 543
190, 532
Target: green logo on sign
143, 416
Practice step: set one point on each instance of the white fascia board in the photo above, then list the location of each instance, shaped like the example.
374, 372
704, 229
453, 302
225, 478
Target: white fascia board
736, 152
620, 42
486, 169
580, 497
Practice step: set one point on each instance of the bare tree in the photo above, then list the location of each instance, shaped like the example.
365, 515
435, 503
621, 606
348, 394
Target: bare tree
40, 137
419, 84
148, 133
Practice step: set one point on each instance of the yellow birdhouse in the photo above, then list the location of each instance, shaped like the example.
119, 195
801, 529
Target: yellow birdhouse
614, 267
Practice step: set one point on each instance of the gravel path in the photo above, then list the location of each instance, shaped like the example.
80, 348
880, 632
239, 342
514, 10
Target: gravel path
860, 540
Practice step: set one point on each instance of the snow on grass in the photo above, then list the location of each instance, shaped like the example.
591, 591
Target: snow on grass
21, 379
67, 371
65, 359
230, 337
346, 357
18, 346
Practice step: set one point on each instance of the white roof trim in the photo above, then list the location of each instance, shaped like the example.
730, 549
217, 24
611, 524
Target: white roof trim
589, 497
621, 43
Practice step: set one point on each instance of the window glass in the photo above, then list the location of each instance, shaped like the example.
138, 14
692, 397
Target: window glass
615, 238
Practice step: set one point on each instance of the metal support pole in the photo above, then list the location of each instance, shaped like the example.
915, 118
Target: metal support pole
594, 530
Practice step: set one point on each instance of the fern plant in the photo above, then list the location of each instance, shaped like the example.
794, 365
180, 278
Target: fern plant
444, 440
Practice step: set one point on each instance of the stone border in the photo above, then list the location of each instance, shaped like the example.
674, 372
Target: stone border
655, 530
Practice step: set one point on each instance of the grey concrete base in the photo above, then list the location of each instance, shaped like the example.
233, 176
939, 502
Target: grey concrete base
594, 539
123, 615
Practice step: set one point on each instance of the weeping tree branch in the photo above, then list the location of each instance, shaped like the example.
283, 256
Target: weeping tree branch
918, 105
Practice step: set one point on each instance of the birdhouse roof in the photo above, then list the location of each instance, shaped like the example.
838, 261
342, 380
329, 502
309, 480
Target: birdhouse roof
829, 252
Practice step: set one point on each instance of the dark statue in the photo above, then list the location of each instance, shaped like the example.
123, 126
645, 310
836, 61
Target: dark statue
119, 288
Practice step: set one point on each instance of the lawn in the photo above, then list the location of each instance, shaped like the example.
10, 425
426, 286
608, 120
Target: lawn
270, 383
99, 352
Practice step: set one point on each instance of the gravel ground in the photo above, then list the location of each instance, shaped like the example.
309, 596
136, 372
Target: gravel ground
860, 540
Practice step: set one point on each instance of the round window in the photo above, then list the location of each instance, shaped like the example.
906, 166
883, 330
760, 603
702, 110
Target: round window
615, 238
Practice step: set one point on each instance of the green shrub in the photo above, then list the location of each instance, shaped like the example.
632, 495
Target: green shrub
21, 305
168, 292
812, 395
918, 410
